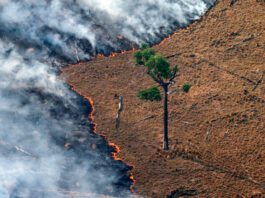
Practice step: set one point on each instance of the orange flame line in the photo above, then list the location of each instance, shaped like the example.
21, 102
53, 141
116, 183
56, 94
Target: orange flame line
114, 146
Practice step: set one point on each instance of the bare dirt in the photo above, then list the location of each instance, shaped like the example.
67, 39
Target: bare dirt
217, 130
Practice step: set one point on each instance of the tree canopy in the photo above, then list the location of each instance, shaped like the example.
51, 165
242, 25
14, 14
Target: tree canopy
158, 67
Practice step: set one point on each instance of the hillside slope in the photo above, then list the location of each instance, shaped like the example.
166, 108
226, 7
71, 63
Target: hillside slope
217, 130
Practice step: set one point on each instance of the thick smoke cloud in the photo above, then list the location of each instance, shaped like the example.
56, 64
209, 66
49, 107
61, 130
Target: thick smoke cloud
77, 29
39, 114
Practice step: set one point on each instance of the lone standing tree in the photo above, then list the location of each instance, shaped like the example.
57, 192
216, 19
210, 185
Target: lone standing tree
158, 68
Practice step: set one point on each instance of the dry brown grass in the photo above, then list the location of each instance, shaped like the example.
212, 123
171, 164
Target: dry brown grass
217, 131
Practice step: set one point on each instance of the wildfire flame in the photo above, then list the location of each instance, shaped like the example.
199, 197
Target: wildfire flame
114, 54
115, 147
116, 151
133, 181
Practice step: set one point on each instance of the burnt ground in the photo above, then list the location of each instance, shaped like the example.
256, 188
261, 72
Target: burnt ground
217, 130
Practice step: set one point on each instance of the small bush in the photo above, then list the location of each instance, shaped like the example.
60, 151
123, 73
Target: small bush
152, 94
139, 57
186, 87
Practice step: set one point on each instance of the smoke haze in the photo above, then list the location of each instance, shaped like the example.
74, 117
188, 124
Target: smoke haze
39, 114
71, 28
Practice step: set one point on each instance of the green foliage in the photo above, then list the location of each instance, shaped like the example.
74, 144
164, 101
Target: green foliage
158, 66
186, 87
139, 57
144, 46
152, 94
148, 53
143, 55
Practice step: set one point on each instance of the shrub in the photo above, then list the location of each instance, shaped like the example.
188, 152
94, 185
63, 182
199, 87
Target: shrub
186, 87
139, 58
152, 94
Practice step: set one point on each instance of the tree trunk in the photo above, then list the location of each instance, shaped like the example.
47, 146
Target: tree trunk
165, 146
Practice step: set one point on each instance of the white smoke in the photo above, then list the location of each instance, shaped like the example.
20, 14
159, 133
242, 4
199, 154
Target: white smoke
39, 113
36, 107
62, 26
